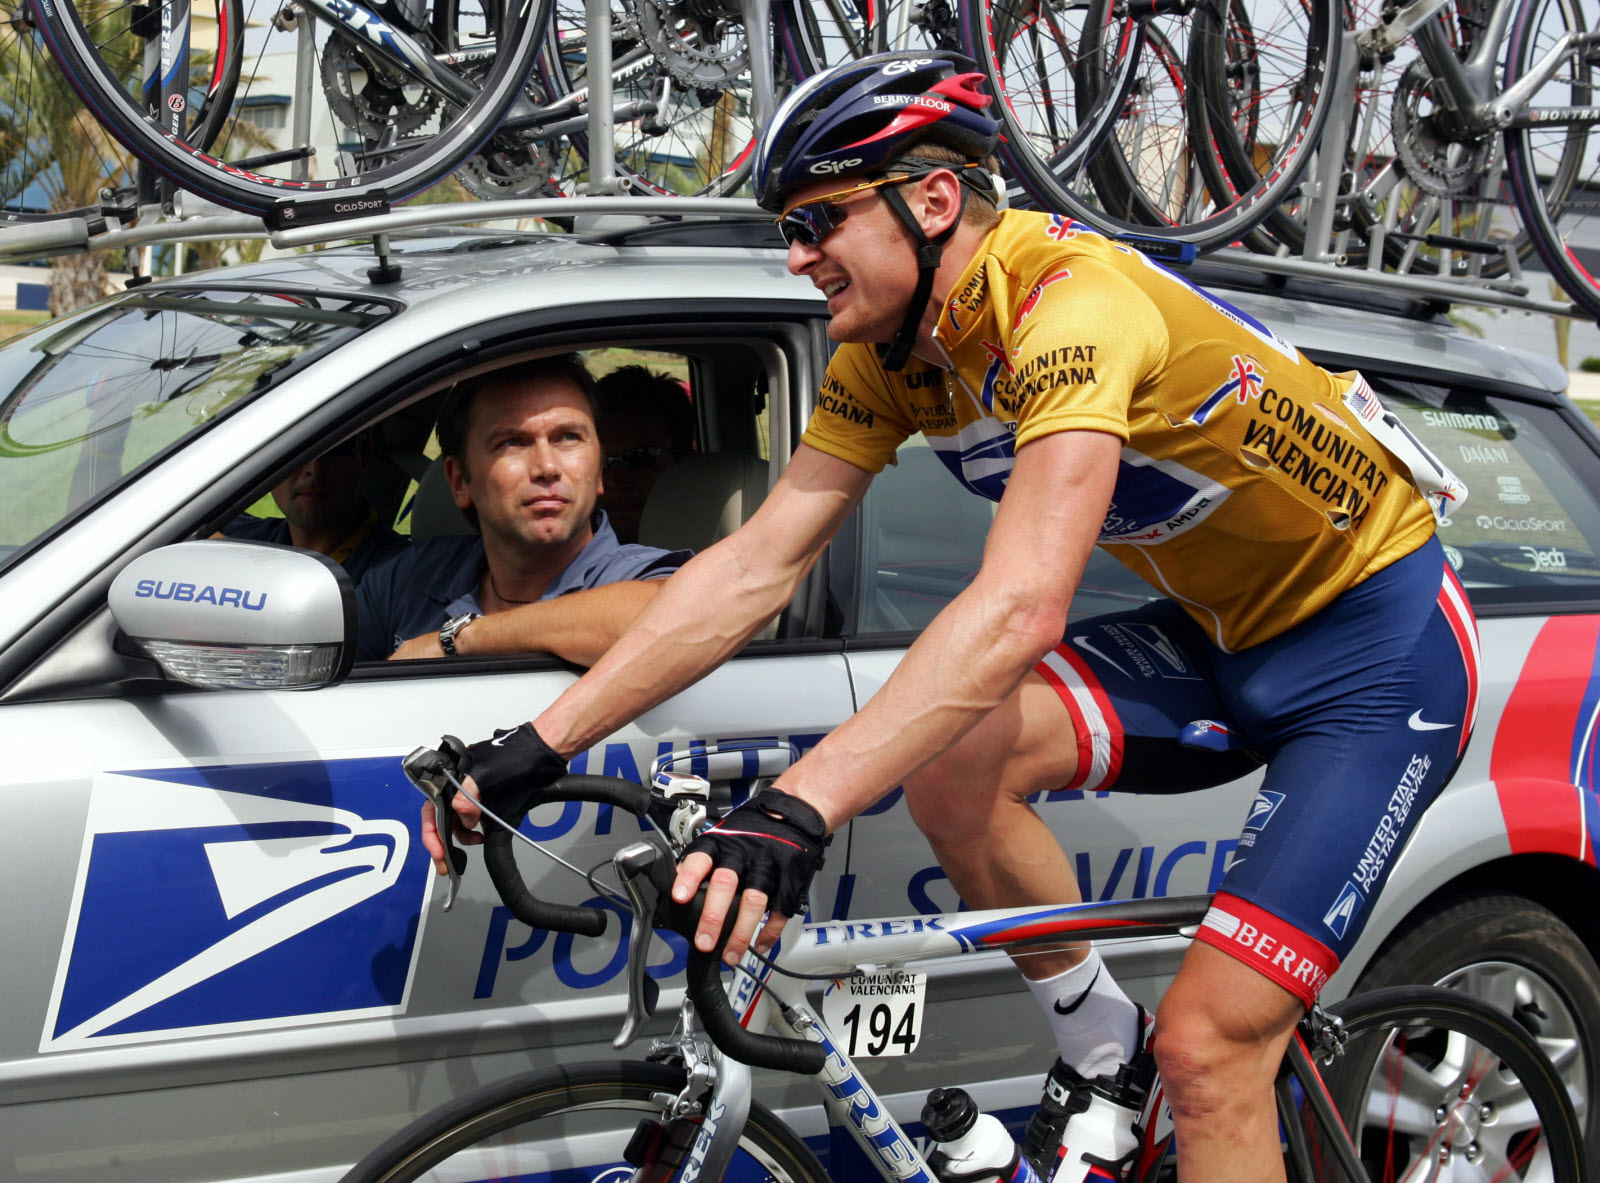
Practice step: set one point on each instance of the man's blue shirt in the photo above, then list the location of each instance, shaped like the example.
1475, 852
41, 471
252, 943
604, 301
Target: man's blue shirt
437, 578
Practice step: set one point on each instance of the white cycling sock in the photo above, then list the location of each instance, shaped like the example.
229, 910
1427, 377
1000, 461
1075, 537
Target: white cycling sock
1095, 1023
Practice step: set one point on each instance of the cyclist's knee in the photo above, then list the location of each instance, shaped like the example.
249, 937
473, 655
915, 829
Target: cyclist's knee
1221, 1028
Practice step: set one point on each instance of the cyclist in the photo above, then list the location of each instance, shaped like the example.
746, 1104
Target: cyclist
1098, 398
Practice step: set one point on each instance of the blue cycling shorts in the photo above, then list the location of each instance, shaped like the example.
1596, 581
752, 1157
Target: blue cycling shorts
1360, 714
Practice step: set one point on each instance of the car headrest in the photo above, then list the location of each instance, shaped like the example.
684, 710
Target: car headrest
433, 510
702, 498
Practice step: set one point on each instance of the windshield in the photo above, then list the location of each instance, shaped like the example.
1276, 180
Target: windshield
88, 400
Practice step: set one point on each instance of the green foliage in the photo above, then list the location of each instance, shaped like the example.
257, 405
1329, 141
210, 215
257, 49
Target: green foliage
1590, 365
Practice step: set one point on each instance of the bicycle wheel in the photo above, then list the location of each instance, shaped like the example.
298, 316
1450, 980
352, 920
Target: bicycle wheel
1148, 173
567, 1124
816, 34
1435, 1084
1052, 86
1554, 183
397, 118
680, 79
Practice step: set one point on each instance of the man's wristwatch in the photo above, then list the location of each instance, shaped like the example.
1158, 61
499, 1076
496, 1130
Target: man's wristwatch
448, 631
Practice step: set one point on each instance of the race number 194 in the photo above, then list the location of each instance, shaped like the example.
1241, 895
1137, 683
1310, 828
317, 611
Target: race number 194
877, 1015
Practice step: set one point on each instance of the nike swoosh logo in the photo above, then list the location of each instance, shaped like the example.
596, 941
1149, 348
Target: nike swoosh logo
1067, 1010
1416, 724
1083, 643
500, 740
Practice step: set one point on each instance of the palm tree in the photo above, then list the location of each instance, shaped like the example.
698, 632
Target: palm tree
52, 149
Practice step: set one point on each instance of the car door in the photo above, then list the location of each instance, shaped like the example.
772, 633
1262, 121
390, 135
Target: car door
228, 955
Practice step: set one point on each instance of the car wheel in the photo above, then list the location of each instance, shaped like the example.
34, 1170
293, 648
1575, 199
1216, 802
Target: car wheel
1519, 956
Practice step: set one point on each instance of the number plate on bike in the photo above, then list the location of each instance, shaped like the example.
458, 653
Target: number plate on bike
879, 1014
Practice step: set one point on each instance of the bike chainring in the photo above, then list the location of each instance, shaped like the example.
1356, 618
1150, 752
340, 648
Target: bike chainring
702, 43
369, 96
1433, 160
510, 166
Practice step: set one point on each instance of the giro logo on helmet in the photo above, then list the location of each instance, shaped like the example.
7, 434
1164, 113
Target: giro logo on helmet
894, 68
835, 167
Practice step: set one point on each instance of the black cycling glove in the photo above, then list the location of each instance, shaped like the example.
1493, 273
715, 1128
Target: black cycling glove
513, 769
774, 843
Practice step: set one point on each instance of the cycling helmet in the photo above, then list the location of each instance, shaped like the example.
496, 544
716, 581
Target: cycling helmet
864, 115
870, 116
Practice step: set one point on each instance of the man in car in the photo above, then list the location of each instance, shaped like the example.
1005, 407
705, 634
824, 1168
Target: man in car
544, 572
324, 510
646, 423
1099, 398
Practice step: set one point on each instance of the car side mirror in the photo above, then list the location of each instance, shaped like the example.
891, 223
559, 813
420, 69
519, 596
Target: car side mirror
229, 615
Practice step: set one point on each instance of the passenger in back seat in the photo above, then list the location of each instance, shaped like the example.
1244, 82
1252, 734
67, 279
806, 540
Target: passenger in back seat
544, 572
324, 510
646, 424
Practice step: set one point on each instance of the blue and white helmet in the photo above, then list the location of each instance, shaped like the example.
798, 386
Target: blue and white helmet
864, 115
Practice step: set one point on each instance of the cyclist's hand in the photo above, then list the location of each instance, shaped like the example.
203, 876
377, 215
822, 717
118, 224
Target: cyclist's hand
771, 845
507, 773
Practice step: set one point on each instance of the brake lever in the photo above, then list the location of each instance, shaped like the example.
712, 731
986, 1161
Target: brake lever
430, 770
646, 877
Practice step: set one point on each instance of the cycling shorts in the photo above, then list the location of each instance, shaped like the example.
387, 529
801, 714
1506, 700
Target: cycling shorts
1360, 714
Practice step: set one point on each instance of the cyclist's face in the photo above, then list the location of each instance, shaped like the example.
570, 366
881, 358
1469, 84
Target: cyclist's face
867, 266
532, 464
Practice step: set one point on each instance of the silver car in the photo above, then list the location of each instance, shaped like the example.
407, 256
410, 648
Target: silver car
224, 955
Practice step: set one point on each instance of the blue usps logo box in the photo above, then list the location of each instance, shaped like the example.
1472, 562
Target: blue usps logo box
240, 897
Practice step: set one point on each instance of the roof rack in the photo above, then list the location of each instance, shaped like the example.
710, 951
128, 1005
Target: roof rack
622, 219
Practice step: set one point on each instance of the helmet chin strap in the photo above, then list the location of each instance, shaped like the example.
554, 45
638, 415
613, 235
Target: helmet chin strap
929, 253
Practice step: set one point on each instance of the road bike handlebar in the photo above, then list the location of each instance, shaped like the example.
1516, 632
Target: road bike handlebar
648, 876
500, 859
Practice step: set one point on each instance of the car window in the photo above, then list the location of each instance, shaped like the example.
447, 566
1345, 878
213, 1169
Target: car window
1530, 527
922, 535
88, 400
1529, 532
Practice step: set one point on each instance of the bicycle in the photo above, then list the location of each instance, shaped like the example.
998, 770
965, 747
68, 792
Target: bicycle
1115, 109
1476, 1079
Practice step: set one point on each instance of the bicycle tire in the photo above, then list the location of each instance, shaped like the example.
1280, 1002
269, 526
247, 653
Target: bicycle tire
1544, 162
405, 170
572, 1102
1147, 173
815, 35
1038, 137
1433, 1072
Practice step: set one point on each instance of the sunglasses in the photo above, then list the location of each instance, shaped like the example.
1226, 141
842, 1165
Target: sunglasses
812, 221
637, 459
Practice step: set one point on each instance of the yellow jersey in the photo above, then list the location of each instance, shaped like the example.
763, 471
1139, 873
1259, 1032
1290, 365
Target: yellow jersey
1249, 489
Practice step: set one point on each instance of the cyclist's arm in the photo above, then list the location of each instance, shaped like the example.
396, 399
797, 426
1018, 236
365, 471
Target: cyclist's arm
715, 603
707, 611
578, 627
973, 654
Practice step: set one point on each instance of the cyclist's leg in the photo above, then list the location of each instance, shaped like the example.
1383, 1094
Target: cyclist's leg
1104, 709
1365, 709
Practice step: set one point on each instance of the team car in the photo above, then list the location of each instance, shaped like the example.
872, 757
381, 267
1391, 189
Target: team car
225, 954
